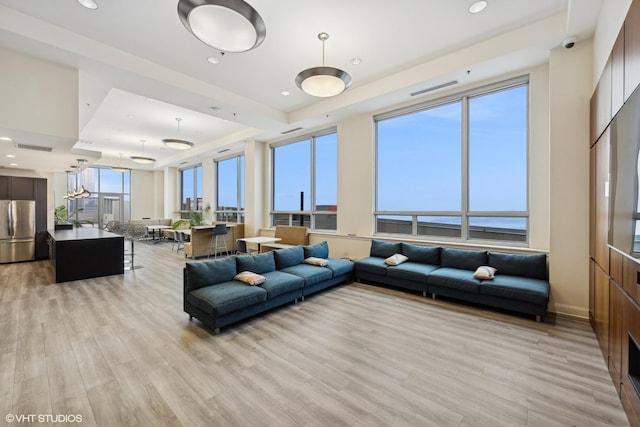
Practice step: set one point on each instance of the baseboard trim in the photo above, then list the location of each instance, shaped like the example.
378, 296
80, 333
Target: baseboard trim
571, 311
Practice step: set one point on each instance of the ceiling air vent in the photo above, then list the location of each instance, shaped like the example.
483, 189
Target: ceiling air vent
291, 130
34, 147
436, 87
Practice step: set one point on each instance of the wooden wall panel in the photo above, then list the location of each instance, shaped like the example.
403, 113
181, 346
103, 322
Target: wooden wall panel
616, 308
616, 266
632, 49
601, 310
631, 279
617, 73
601, 104
631, 326
602, 202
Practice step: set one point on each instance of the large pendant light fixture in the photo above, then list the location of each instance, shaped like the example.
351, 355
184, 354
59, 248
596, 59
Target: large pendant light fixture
323, 81
143, 160
120, 168
226, 25
178, 144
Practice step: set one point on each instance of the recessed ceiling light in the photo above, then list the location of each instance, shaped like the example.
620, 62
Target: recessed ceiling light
285, 93
478, 6
5, 138
151, 100
13, 164
355, 61
213, 60
89, 4
10, 156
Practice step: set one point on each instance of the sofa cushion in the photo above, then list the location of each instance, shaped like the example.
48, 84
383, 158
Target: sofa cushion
413, 271
288, 257
320, 262
422, 254
261, 263
373, 265
463, 259
484, 272
525, 289
454, 278
226, 297
339, 266
249, 278
534, 265
207, 273
318, 250
311, 274
396, 259
384, 249
279, 282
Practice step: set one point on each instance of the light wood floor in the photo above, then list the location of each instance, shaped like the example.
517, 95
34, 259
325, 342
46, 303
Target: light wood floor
120, 351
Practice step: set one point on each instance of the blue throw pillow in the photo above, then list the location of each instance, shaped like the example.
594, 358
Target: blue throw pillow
381, 249
534, 265
464, 259
422, 254
318, 250
288, 257
262, 263
200, 274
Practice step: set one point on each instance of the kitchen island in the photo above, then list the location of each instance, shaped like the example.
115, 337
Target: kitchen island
84, 253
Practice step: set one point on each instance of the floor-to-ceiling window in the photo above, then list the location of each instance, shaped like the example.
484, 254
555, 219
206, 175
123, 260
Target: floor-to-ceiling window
457, 167
230, 189
191, 189
109, 199
305, 182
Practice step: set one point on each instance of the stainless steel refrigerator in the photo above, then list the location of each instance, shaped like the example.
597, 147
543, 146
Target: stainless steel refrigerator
17, 230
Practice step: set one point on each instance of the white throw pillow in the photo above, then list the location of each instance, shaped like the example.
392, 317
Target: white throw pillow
250, 278
396, 259
321, 262
484, 272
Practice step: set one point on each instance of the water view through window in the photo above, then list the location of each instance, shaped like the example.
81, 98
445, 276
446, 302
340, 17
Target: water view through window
456, 169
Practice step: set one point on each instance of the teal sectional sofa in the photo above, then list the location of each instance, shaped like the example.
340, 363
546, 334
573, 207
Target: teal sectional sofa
213, 296
520, 284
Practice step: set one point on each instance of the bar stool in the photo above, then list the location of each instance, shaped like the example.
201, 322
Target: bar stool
178, 239
218, 240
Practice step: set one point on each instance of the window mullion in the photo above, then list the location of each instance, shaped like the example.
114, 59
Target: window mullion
465, 169
312, 201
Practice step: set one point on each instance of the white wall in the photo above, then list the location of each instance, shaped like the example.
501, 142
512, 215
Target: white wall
171, 192
570, 83
143, 194
256, 190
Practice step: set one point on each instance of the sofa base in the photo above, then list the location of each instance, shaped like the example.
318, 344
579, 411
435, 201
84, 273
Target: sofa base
514, 306
396, 282
489, 300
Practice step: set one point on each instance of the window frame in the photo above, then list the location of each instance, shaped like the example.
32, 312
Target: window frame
198, 202
96, 194
464, 214
308, 217
240, 191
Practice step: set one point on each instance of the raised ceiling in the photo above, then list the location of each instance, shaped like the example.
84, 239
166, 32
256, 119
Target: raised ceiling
139, 68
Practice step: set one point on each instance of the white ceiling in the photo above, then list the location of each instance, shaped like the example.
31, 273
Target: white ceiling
140, 68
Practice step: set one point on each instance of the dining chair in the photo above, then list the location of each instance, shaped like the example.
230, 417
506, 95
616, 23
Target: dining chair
242, 248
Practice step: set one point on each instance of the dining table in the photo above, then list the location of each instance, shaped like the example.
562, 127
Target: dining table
154, 228
260, 240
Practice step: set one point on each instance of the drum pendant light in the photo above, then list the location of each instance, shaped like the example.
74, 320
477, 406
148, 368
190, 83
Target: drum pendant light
323, 81
226, 25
